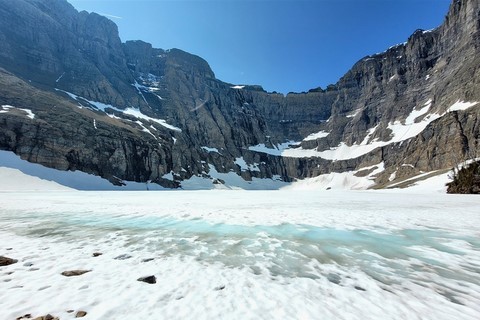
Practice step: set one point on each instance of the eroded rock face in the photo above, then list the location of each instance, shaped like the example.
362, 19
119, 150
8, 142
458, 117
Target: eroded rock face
208, 123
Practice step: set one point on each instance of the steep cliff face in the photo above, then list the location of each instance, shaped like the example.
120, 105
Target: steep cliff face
132, 112
51, 44
405, 98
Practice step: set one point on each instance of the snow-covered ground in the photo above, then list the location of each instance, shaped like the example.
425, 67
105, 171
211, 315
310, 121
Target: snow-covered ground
16, 180
241, 255
302, 252
20, 175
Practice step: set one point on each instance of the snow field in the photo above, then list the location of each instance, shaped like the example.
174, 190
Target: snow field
241, 254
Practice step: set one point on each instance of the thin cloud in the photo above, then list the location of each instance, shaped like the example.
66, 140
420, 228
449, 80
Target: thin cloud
110, 15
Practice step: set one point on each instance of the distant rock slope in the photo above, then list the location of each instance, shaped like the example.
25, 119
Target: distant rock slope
73, 97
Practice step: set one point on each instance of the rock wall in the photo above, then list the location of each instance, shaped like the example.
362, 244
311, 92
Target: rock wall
60, 63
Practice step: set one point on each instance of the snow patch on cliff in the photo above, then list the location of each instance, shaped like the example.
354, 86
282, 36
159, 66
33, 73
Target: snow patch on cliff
317, 135
129, 111
400, 131
8, 108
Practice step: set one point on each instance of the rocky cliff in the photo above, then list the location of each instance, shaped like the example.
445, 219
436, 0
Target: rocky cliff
74, 97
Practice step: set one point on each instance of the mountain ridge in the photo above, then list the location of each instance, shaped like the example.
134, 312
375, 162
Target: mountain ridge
143, 95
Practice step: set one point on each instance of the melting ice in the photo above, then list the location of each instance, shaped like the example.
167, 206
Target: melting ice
394, 269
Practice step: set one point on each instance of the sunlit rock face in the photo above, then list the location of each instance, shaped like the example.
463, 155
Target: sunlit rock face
128, 111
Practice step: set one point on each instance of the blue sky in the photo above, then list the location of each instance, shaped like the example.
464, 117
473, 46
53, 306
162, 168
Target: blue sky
282, 45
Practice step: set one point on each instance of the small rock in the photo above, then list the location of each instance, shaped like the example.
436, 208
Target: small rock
123, 257
4, 261
70, 311
360, 288
80, 314
96, 254
73, 273
148, 259
26, 316
47, 317
219, 288
148, 279
334, 278
28, 264
9, 249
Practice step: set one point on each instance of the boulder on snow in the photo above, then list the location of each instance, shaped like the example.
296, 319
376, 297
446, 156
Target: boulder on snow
148, 279
74, 273
4, 261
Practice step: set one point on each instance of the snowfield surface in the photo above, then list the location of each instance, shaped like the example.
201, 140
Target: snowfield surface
241, 255
20, 175
16, 180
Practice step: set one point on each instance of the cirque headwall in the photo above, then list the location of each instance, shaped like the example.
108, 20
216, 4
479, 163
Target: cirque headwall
74, 97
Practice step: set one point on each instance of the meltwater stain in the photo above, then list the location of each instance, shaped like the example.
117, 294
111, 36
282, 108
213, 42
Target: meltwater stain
287, 250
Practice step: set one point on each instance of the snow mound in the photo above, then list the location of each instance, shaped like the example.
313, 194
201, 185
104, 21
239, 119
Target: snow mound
16, 180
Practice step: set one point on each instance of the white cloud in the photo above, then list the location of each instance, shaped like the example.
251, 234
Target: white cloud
109, 15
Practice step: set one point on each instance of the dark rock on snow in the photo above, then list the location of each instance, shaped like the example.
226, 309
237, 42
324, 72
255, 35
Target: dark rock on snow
4, 261
80, 314
148, 279
123, 257
46, 317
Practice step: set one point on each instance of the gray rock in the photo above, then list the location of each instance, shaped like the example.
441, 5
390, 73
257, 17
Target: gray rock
123, 257
360, 288
74, 273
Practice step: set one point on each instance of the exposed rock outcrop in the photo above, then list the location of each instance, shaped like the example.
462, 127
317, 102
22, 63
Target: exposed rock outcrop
132, 112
